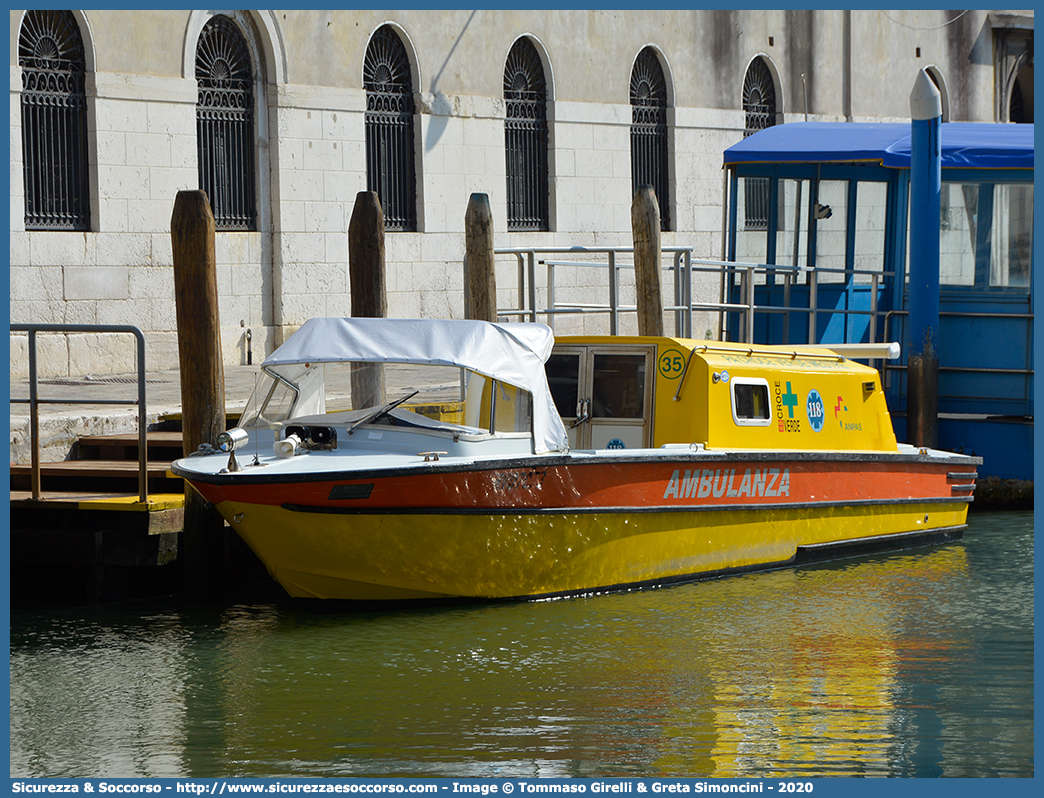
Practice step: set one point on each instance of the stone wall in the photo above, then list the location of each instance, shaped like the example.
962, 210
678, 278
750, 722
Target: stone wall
311, 140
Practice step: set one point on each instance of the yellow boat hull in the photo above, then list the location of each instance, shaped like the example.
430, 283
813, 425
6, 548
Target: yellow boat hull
488, 555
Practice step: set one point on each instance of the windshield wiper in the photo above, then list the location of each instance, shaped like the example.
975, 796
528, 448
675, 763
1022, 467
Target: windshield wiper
380, 412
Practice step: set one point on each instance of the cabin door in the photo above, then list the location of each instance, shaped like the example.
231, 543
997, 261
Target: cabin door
603, 394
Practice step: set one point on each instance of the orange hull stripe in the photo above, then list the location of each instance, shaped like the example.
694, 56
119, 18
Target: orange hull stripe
609, 485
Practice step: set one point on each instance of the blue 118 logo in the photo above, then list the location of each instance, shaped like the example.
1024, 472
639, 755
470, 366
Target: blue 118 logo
814, 410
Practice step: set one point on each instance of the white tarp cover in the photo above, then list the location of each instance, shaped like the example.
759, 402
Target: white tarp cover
513, 352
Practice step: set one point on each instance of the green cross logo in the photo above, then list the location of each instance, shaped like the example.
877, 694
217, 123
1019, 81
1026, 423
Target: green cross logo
790, 400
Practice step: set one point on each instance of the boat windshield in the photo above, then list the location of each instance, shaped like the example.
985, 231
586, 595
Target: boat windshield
448, 394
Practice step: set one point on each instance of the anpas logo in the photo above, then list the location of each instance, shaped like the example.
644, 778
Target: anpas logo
847, 426
814, 410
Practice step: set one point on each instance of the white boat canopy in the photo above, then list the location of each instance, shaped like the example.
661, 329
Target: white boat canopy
513, 352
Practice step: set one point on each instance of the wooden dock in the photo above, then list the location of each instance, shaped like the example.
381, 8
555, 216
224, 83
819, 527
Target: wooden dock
88, 535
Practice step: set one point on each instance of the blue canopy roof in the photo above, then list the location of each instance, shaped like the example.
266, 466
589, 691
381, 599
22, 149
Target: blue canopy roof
968, 145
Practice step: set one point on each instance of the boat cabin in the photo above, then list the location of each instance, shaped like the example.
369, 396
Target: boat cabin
471, 383
627, 393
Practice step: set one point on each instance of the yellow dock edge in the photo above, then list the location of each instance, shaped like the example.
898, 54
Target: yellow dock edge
157, 502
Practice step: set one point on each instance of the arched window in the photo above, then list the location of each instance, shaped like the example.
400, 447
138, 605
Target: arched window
649, 163
54, 122
389, 129
759, 107
759, 97
525, 138
225, 124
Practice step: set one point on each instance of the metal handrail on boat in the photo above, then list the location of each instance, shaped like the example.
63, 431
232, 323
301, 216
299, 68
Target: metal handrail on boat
34, 400
792, 352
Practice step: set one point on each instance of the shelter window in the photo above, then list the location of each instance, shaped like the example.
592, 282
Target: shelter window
225, 124
957, 233
525, 134
832, 231
390, 165
986, 236
751, 240
791, 226
649, 160
870, 203
750, 402
1011, 255
54, 122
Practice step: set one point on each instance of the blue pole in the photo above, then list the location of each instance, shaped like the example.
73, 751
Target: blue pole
923, 321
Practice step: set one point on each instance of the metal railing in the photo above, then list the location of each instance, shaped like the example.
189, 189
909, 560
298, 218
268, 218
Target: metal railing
681, 267
732, 275
748, 272
34, 401
528, 260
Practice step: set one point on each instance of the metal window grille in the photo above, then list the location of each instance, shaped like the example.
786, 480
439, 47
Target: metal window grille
759, 105
390, 168
54, 122
649, 159
225, 124
525, 139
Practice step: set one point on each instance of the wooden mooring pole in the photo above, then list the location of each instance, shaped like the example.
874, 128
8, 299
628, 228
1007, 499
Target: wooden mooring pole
202, 379
366, 274
480, 278
645, 227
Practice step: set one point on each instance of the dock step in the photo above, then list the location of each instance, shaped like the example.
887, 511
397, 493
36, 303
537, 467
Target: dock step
160, 445
106, 465
85, 475
106, 469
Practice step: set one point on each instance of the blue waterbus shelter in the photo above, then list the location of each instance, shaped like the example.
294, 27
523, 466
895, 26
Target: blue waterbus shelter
822, 211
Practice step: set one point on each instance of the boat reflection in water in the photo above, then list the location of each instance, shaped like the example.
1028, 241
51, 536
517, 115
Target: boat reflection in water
910, 664
830, 696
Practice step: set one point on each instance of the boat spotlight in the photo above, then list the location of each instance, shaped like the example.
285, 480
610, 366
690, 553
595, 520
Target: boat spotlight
232, 439
229, 441
288, 446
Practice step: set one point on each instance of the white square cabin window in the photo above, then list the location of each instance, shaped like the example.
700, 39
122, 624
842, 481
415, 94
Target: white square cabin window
750, 402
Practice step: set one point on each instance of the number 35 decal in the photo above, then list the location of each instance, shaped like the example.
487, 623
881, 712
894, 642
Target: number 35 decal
671, 364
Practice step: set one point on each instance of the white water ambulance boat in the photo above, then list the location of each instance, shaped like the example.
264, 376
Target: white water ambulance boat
541, 469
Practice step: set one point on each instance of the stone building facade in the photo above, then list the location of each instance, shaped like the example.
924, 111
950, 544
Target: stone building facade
314, 85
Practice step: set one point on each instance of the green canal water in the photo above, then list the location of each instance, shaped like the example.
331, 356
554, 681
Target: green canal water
917, 663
